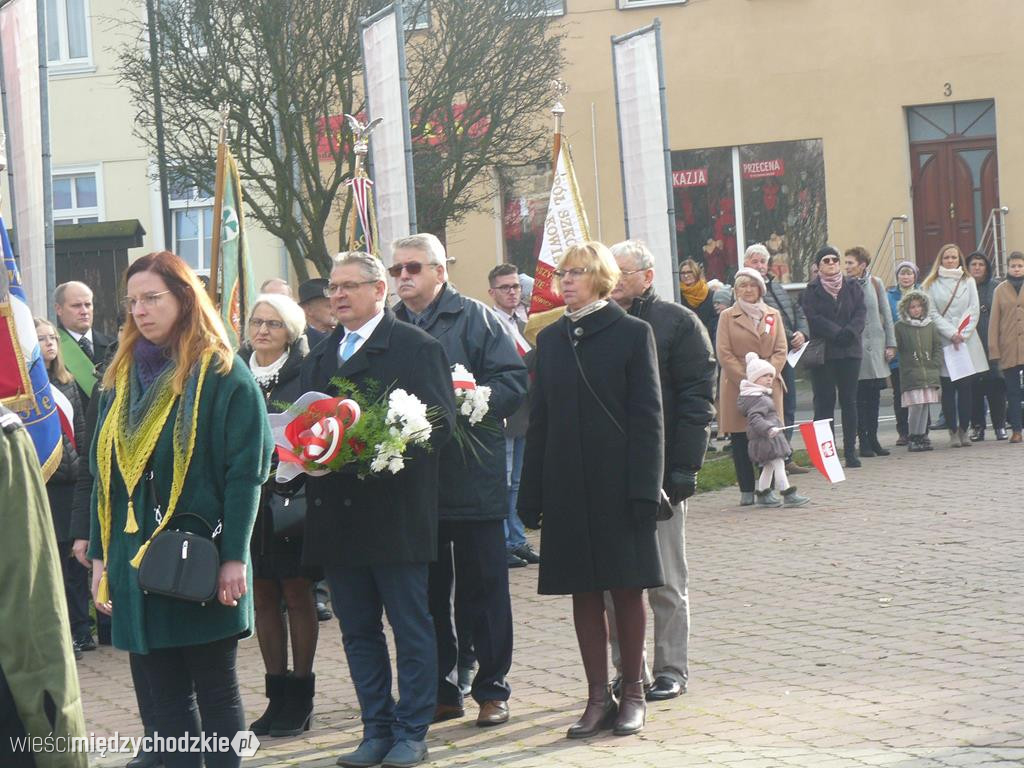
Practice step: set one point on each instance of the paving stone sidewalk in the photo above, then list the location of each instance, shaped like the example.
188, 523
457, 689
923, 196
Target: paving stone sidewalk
879, 626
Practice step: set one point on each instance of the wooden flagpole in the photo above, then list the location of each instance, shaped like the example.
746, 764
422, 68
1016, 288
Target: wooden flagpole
218, 206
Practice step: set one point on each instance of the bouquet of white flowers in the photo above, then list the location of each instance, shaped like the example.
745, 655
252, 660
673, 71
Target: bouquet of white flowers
472, 403
368, 432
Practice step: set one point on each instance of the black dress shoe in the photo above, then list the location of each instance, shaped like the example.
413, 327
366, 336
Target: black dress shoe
76, 650
664, 688
1000, 433
86, 643
323, 613
526, 553
515, 562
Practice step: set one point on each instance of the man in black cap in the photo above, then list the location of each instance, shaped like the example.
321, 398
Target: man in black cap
320, 321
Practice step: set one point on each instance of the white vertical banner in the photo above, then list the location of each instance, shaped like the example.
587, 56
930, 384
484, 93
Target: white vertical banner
19, 44
387, 97
643, 147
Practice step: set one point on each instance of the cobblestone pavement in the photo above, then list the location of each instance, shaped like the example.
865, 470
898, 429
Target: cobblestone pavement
879, 626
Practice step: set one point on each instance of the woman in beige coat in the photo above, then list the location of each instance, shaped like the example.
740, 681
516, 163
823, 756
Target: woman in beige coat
1006, 337
749, 325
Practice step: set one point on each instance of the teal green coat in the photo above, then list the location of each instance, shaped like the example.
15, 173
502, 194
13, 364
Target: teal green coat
230, 463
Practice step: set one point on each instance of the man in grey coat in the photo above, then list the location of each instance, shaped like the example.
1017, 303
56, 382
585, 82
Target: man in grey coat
794, 323
878, 345
686, 366
471, 570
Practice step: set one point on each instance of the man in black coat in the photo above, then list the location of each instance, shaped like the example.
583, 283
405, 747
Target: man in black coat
82, 346
376, 537
686, 366
474, 495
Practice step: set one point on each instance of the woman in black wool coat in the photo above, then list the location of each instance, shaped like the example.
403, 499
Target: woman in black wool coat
592, 476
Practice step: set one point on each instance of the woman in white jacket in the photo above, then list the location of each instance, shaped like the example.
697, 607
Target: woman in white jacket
955, 310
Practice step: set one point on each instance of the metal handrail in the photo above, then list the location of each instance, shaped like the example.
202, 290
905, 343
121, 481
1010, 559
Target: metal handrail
886, 258
993, 240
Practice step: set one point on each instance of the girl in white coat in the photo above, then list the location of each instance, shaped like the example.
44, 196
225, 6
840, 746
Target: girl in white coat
955, 310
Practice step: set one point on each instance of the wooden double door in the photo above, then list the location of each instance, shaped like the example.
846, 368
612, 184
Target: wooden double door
955, 187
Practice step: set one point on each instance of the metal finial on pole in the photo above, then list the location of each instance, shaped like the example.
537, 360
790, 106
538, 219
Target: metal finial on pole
558, 90
361, 132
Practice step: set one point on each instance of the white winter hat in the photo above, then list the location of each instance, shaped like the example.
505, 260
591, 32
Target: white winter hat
754, 275
756, 367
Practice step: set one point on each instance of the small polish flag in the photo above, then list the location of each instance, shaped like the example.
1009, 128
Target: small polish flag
821, 448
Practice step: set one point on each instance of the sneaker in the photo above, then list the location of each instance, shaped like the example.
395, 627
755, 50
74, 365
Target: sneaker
790, 498
514, 561
977, 434
746, 498
526, 553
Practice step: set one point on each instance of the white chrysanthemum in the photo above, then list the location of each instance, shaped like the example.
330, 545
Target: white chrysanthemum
396, 464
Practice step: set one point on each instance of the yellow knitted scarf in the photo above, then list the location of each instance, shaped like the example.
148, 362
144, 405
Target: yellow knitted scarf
132, 448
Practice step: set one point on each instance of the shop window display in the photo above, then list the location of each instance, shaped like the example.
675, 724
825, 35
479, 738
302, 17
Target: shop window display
783, 202
524, 204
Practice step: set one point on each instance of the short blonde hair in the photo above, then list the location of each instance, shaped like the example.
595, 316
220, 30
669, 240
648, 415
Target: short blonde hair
599, 262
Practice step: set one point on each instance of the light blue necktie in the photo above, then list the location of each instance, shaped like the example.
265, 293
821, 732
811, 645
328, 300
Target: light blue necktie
349, 347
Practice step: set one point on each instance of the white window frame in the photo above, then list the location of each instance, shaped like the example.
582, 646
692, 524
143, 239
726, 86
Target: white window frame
66, 65
78, 212
553, 13
625, 5
196, 203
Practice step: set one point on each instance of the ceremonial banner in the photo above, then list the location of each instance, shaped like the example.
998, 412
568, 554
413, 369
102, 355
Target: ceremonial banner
25, 383
232, 272
19, 43
387, 97
822, 450
564, 225
362, 225
643, 146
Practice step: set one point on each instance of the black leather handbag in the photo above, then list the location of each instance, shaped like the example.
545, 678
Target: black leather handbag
180, 564
814, 355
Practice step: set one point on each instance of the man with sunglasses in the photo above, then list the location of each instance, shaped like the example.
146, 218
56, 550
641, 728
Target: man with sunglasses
473, 503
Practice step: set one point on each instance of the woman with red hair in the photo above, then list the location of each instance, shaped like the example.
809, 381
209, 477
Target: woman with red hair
182, 442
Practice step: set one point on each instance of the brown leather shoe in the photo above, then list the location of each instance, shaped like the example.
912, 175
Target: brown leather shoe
1015, 438
492, 713
448, 712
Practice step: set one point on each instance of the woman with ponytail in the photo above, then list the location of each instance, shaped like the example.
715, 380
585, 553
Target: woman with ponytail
182, 442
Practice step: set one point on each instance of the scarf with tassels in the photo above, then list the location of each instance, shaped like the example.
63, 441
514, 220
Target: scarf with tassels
129, 435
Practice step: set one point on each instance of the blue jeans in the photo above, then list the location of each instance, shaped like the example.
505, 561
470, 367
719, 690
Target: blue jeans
515, 532
359, 597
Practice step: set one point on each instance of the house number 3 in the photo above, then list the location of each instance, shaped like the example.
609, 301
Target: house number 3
947, 89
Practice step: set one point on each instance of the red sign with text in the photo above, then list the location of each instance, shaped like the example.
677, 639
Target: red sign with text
762, 169
691, 177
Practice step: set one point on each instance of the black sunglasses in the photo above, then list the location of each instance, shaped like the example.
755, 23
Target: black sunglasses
412, 267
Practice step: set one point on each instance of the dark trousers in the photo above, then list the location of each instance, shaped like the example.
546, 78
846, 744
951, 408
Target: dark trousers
789, 399
471, 574
359, 598
76, 591
992, 388
902, 414
957, 400
741, 461
869, 402
143, 693
11, 729
1013, 393
837, 375
182, 678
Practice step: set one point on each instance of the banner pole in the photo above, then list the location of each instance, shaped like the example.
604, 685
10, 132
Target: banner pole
218, 206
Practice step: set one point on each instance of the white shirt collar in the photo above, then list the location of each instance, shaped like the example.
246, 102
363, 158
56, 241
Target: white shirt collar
77, 336
364, 331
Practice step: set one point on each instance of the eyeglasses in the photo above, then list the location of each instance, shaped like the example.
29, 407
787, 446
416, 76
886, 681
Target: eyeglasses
575, 272
258, 322
508, 288
628, 272
336, 288
147, 300
829, 259
412, 267
686, 273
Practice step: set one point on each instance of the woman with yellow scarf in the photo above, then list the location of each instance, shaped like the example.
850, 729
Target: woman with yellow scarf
696, 295
182, 441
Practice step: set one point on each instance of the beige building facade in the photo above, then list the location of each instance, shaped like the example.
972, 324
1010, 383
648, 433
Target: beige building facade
795, 122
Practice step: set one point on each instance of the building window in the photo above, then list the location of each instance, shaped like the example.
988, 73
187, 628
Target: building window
524, 204
536, 7
191, 225
415, 13
76, 197
780, 189
623, 4
67, 32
